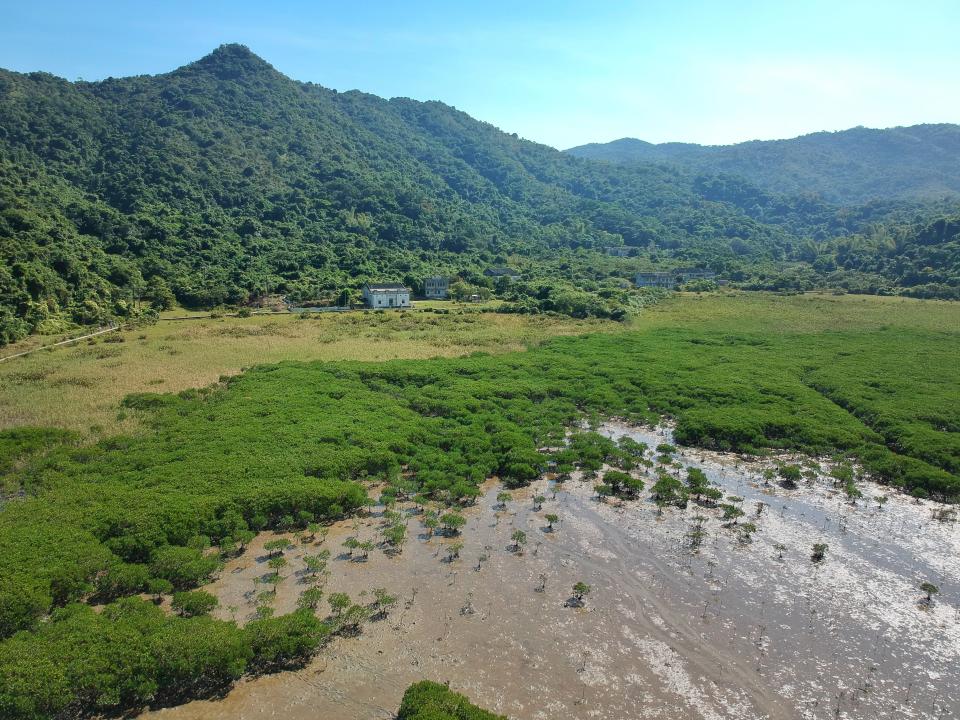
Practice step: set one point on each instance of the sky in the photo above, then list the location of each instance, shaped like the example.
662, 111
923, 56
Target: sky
561, 73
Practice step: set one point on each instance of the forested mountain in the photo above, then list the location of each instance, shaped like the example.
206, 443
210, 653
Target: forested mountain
921, 162
224, 179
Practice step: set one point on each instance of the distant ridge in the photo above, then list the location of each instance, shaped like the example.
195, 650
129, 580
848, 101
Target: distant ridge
920, 162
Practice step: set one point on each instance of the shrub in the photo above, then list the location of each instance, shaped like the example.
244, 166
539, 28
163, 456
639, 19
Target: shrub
428, 700
193, 603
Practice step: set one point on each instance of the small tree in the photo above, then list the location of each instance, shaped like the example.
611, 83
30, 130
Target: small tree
519, 538
603, 491
366, 547
316, 563
881, 501
351, 544
779, 547
503, 498
551, 518
383, 602
452, 523
395, 536
193, 603
819, 552
310, 598
228, 547
669, 491
697, 482
632, 487
538, 502
338, 602
731, 513
453, 550
244, 537
352, 618
277, 547
158, 587
580, 592
930, 589
745, 532
431, 523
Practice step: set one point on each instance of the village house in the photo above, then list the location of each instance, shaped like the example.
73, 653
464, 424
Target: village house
685, 275
436, 288
655, 279
672, 278
386, 295
499, 272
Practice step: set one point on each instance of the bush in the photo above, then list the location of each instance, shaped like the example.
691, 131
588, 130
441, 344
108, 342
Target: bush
287, 639
428, 700
184, 567
192, 604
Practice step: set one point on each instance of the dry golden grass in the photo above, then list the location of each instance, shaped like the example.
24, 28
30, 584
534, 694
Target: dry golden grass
80, 386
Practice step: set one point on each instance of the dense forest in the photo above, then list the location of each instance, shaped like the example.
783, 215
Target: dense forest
225, 180
849, 167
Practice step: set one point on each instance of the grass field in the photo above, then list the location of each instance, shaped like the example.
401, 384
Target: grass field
79, 387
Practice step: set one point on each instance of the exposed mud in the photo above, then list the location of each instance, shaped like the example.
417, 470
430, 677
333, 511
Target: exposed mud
726, 631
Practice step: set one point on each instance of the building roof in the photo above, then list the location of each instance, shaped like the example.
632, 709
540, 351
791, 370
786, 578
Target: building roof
498, 271
386, 287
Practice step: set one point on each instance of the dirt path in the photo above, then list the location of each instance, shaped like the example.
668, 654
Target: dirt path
69, 341
729, 632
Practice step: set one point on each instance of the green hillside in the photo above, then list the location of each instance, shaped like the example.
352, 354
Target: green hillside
853, 166
224, 180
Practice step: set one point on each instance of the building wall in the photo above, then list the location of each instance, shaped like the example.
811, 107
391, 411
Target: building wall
664, 280
380, 300
436, 287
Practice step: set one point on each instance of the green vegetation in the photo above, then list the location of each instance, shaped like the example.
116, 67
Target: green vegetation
930, 589
193, 603
84, 663
224, 180
428, 700
289, 445
851, 166
93, 377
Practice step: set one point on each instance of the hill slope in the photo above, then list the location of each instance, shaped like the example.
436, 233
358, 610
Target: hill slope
853, 166
225, 179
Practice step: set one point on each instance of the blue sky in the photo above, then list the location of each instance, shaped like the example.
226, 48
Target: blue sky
562, 73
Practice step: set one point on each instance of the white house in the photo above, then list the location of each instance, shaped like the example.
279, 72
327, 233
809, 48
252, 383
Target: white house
655, 279
436, 288
386, 295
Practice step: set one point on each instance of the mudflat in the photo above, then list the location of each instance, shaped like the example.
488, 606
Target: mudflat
726, 629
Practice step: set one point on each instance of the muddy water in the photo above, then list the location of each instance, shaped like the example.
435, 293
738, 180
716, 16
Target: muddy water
728, 631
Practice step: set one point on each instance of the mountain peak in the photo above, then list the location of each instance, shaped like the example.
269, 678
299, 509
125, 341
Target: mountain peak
232, 60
